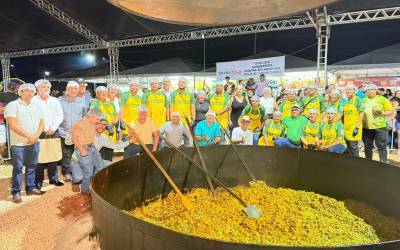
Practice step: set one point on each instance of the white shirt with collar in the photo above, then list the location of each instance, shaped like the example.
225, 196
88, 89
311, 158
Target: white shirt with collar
27, 116
52, 112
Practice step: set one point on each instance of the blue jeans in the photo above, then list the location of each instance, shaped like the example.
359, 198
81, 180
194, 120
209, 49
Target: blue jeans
338, 149
285, 143
24, 156
89, 165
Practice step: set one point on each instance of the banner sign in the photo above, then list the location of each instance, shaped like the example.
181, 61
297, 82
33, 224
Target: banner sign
378, 81
237, 70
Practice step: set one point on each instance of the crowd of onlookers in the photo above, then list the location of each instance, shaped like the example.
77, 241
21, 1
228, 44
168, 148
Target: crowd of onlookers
91, 126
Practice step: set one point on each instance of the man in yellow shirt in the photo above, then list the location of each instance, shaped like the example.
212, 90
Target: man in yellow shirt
353, 116
313, 101
156, 102
183, 102
377, 109
219, 103
286, 105
129, 103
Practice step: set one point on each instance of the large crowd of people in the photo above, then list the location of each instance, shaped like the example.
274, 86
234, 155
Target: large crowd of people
90, 127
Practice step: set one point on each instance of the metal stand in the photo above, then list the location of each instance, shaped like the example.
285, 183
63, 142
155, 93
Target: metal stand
323, 34
5, 66
113, 54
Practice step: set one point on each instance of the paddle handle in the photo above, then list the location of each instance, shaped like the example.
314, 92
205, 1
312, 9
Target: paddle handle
166, 175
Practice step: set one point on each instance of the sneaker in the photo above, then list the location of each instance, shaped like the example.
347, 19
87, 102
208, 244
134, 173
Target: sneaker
76, 188
67, 178
16, 198
57, 183
35, 191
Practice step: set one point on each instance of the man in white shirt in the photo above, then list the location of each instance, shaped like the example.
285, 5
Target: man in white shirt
26, 123
53, 117
242, 135
176, 133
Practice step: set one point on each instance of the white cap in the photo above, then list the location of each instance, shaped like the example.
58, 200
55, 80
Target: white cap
277, 113
153, 80
211, 113
72, 84
26, 86
176, 113
112, 86
314, 111
42, 81
182, 79
331, 110
101, 88
351, 86
291, 91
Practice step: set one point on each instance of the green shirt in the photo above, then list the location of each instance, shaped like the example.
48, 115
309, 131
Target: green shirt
293, 127
254, 111
339, 129
307, 103
338, 106
158, 96
378, 103
311, 125
176, 94
125, 96
106, 107
274, 126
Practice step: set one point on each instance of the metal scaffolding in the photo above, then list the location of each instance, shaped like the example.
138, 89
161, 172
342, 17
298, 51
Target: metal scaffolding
113, 54
5, 69
67, 20
323, 34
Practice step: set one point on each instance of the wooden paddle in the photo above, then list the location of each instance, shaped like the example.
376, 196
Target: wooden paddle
186, 203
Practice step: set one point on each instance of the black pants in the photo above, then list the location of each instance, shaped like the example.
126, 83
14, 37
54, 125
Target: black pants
52, 172
352, 147
67, 151
380, 137
134, 149
106, 153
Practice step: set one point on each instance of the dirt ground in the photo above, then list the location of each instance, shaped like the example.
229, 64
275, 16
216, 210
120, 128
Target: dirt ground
59, 219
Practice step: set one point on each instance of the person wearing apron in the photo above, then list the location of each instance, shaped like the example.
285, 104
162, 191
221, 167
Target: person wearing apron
219, 103
336, 103
156, 102
286, 105
182, 101
129, 103
353, 115
313, 101
310, 131
108, 110
273, 130
257, 116
331, 134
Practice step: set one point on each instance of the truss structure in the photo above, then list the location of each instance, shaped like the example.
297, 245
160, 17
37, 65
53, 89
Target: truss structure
323, 35
67, 20
113, 54
295, 23
5, 69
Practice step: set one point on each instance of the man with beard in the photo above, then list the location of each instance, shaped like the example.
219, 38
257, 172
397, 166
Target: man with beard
53, 117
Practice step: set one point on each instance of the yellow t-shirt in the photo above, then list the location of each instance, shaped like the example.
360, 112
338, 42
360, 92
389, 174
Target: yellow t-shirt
144, 130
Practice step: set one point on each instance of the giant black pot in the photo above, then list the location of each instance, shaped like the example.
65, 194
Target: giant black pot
127, 183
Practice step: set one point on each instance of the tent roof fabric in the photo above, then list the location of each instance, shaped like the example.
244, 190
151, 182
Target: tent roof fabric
168, 66
384, 55
29, 27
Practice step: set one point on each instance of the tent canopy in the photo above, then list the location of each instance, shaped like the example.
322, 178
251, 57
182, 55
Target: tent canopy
29, 27
168, 66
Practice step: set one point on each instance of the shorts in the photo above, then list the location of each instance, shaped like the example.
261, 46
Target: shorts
397, 125
3, 134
